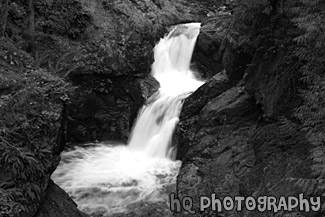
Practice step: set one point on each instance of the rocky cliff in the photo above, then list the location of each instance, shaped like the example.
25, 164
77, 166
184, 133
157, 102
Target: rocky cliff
237, 135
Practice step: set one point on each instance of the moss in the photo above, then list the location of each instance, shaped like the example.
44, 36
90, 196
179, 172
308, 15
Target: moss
31, 102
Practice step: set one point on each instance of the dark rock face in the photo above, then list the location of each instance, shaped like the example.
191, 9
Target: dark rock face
227, 108
231, 137
193, 106
104, 108
218, 48
58, 203
226, 150
212, 88
269, 83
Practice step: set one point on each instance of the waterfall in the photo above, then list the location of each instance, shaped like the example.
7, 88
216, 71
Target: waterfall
105, 179
156, 121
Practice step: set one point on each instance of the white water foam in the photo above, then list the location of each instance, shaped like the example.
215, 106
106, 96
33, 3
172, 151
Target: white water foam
156, 122
108, 179
105, 179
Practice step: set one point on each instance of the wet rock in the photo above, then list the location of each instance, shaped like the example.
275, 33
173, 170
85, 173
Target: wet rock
148, 210
212, 88
227, 108
149, 86
58, 203
104, 109
226, 150
235, 145
220, 132
218, 48
230, 107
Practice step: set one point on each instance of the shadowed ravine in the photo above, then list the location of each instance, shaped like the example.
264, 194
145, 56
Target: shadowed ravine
105, 179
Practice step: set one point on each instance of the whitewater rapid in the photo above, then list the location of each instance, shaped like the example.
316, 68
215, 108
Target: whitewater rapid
106, 179
156, 122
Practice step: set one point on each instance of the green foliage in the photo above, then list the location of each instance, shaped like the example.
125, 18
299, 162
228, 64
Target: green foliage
30, 118
289, 132
56, 23
32, 97
8, 206
251, 22
63, 17
310, 19
252, 7
41, 58
61, 66
247, 10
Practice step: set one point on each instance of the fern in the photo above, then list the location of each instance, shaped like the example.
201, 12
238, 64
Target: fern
289, 132
27, 139
40, 58
63, 17
309, 18
64, 65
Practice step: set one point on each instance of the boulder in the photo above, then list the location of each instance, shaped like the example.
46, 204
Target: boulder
218, 48
149, 85
227, 150
57, 203
209, 90
234, 106
104, 108
239, 142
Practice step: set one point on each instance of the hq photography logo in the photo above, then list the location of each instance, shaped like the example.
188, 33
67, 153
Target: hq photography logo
238, 203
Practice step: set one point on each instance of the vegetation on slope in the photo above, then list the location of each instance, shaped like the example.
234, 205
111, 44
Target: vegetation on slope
33, 95
304, 99
309, 17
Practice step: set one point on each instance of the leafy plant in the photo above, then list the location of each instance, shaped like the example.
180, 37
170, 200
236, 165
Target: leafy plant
28, 130
310, 19
63, 17
64, 65
8, 206
41, 58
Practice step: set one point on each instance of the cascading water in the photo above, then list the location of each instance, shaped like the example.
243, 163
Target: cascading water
105, 179
156, 122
